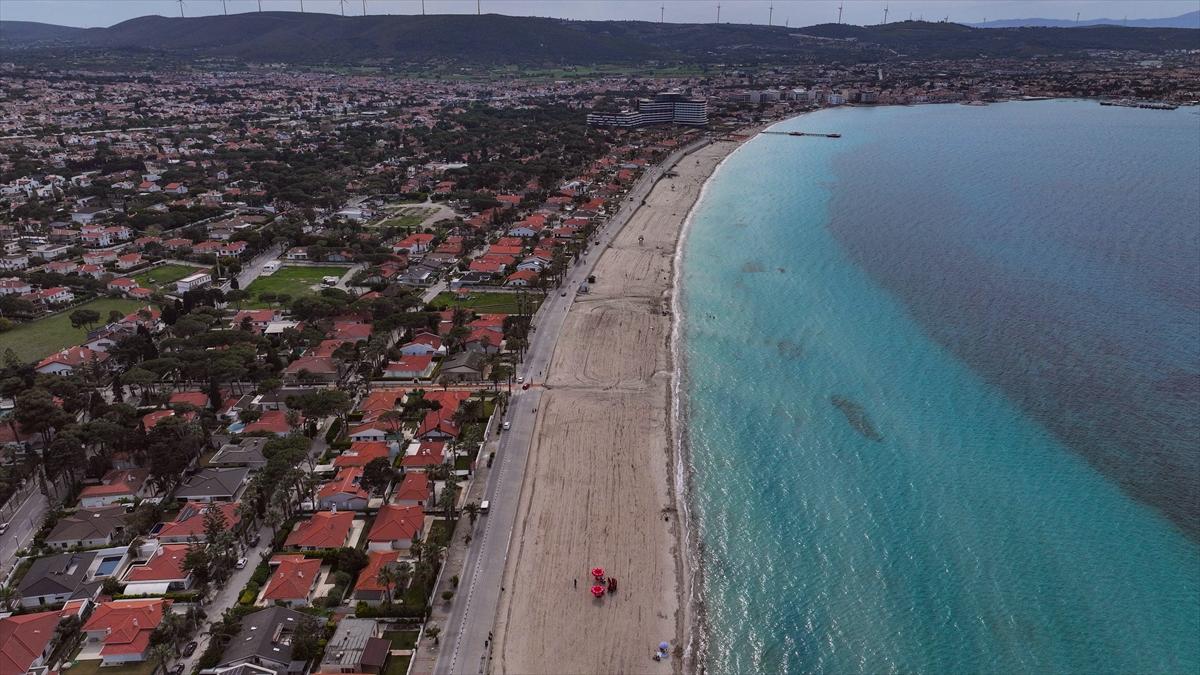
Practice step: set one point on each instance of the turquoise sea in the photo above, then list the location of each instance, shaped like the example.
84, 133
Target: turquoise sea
941, 388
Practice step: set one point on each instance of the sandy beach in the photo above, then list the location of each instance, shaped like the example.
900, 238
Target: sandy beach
598, 488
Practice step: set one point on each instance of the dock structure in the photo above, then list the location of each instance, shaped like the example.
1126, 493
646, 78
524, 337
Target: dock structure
803, 133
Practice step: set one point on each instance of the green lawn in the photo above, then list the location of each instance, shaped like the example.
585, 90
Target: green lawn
162, 275
295, 281
34, 340
401, 639
408, 217
396, 665
489, 303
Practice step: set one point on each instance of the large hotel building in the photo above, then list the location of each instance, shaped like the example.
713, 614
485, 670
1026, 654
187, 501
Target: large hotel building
666, 108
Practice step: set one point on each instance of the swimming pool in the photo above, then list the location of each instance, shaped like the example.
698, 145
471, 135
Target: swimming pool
107, 566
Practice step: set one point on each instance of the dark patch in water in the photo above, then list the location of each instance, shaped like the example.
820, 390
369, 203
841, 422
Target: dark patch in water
741, 224
781, 270
857, 417
752, 267
789, 350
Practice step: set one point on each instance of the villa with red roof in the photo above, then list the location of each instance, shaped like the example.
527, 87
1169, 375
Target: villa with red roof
197, 399
424, 344
115, 486
189, 522
368, 589
395, 527
293, 581
27, 640
362, 453
424, 455
409, 368
414, 243
344, 492
64, 362
162, 573
274, 421
119, 630
325, 529
413, 490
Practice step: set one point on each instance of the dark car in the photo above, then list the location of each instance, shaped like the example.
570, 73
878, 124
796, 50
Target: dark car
177, 670
189, 648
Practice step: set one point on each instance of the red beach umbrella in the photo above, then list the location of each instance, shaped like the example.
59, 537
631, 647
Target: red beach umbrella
597, 591
598, 572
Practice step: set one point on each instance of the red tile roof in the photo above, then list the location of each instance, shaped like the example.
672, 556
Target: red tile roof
368, 579
324, 529
361, 453
127, 624
293, 578
393, 523
414, 487
429, 453
23, 638
274, 421
189, 522
165, 565
346, 482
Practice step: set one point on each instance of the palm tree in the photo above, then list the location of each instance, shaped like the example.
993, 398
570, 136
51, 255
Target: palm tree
8, 597
160, 654
472, 511
387, 577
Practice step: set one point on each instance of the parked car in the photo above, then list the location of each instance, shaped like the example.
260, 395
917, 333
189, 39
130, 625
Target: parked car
520, 379
177, 670
189, 648
241, 563
506, 426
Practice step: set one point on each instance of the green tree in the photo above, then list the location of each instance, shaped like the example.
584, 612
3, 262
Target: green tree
377, 475
84, 317
306, 639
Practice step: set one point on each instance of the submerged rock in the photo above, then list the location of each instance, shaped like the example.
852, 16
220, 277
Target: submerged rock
857, 417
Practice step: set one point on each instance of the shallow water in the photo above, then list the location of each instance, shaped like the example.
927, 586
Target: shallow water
942, 386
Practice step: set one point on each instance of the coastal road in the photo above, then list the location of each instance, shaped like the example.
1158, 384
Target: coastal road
23, 523
467, 634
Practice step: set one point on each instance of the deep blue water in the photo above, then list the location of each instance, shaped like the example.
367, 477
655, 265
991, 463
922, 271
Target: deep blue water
943, 393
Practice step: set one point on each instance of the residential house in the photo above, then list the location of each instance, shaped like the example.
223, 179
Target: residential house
465, 366
14, 286
273, 421
119, 630
88, 528
344, 492
248, 453
362, 453
424, 344
162, 572
395, 526
368, 589
424, 455
356, 647
214, 485
414, 490
28, 640
293, 581
189, 522
312, 369
324, 529
409, 368
256, 319
57, 578
263, 640
118, 485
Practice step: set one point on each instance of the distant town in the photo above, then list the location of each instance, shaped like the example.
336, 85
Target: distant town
260, 329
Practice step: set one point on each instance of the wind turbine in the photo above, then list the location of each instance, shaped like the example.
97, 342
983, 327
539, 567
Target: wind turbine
718, 12
662, 13
301, 6
885, 9
478, 10
422, 7
839, 12
342, 4
364, 7
771, 15
260, 6
180, 8
224, 8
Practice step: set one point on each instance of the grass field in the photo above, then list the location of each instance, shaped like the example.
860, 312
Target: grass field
164, 274
93, 668
295, 281
489, 303
409, 216
32, 341
401, 639
396, 665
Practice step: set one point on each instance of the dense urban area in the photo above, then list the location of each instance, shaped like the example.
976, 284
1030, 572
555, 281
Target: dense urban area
260, 327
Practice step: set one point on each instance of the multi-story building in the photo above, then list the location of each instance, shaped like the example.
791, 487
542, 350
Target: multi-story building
670, 107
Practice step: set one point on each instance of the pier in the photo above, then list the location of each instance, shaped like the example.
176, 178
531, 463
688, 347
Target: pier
802, 133
1130, 103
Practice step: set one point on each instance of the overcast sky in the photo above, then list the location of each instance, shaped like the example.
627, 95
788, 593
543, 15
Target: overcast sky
792, 12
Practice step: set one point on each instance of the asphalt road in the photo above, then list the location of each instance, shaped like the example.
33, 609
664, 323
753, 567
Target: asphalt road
22, 525
466, 636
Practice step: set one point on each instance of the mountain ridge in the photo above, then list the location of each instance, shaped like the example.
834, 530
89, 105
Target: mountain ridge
1186, 20
291, 37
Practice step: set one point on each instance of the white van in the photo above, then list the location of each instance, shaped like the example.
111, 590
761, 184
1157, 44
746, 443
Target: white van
270, 267
483, 506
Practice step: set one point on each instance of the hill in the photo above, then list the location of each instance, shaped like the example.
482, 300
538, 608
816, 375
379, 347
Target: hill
1189, 20
495, 39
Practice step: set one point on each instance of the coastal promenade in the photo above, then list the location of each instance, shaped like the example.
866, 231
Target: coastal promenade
597, 488
467, 645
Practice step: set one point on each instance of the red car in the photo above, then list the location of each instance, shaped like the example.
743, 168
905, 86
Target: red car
525, 386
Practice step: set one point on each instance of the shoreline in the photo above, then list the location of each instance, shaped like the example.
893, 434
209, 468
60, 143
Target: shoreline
606, 477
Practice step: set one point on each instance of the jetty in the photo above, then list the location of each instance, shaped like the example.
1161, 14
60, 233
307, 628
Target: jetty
802, 133
1130, 103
